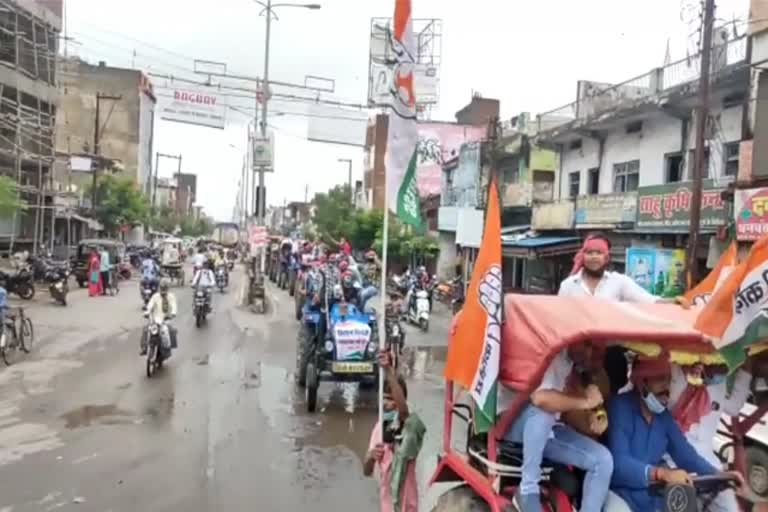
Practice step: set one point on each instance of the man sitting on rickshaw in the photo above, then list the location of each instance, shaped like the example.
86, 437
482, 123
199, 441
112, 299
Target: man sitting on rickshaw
542, 436
641, 431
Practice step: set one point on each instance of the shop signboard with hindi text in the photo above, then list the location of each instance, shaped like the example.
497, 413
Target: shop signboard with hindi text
667, 208
751, 213
605, 210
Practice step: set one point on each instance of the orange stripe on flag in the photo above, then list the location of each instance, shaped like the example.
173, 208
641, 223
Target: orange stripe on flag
718, 314
467, 340
707, 286
402, 16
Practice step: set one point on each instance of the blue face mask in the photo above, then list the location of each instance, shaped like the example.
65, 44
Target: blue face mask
389, 416
653, 403
715, 380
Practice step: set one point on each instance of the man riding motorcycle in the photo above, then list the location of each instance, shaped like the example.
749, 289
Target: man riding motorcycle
150, 273
161, 308
205, 279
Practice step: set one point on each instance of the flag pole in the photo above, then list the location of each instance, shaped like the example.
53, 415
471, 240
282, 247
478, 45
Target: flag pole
383, 291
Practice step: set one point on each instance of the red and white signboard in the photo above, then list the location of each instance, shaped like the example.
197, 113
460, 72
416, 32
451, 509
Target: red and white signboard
201, 106
257, 237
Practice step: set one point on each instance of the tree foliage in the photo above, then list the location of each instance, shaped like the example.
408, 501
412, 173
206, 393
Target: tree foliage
9, 198
336, 217
167, 220
119, 202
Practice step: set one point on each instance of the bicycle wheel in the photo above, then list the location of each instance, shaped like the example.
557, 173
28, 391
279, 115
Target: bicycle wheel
9, 347
27, 337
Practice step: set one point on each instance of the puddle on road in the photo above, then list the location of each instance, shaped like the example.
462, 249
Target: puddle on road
87, 415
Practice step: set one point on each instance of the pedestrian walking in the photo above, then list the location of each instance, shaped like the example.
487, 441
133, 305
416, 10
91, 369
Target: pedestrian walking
94, 274
104, 268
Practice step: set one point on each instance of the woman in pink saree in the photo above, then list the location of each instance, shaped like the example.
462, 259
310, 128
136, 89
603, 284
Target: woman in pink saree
94, 274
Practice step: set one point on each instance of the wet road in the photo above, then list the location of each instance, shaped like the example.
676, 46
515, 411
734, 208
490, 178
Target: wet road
221, 427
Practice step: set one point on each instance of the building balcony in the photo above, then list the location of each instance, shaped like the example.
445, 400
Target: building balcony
557, 215
597, 101
606, 211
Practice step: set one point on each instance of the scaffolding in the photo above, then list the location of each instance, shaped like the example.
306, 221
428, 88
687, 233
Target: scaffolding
28, 92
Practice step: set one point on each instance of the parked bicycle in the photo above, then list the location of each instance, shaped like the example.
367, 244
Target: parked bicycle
18, 335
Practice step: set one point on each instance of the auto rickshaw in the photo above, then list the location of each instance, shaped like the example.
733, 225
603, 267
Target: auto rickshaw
486, 468
115, 248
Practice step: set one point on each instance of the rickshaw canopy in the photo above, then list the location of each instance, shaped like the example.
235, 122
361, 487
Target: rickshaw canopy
537, 327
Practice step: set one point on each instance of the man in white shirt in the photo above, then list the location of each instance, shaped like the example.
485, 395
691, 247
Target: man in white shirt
198, 260
590, 276
161, 308
538, 426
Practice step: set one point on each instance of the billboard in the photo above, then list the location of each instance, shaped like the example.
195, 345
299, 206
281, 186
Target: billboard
382, 58
751, 213
658, 271
327, 123
200, 106
439, 143
667, 208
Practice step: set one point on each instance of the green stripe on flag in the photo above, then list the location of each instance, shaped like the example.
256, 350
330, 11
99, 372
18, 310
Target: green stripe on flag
485, 414
735, 353
408, 206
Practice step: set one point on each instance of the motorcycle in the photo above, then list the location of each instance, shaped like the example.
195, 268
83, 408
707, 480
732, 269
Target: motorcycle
58, 283
418, 308
20, 283
221, 278
202, 306
156, 354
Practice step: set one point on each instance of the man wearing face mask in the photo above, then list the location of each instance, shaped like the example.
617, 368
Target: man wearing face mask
698, 399
640, 431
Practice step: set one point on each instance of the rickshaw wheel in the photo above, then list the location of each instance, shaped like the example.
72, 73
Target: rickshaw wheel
461, 499
757, 470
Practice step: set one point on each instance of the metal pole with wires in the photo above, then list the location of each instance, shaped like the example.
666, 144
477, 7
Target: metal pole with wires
702, 114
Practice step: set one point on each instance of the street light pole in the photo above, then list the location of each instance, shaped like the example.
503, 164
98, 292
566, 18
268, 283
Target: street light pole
260, 194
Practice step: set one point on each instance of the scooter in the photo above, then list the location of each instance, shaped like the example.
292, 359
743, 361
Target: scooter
58, 284
418, 308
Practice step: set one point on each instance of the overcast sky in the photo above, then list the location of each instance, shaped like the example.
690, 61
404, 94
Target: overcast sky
527, 53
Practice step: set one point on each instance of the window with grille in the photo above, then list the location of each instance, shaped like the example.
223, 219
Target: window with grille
731, 155
626, 176
574, 182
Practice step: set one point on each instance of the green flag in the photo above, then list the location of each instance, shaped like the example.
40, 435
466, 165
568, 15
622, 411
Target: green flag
408, 205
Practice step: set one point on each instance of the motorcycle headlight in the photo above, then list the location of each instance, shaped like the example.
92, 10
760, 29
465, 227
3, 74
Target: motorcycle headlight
329, 346
154, 329
395, 330
199, 294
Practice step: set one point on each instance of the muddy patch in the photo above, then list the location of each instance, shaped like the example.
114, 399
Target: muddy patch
88, 415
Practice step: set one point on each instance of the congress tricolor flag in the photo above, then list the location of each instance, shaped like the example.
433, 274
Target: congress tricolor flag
737, 314
474, 347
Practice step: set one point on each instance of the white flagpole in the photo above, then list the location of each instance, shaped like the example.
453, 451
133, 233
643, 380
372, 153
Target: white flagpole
383, 284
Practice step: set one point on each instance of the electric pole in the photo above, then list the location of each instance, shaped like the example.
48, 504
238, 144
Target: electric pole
96, 141
351, 190
702, 115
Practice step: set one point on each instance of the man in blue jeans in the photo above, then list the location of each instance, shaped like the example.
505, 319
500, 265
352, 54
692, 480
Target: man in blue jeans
543, 436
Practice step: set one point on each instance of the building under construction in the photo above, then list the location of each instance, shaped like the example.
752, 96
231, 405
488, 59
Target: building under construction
28, 97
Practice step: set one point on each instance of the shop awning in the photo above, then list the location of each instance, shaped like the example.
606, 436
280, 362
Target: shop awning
539, 246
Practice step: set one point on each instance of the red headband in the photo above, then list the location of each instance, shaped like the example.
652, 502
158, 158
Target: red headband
590, 244
650, 368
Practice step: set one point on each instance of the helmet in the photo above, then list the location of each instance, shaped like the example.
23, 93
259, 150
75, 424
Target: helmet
347, 280
165, 284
